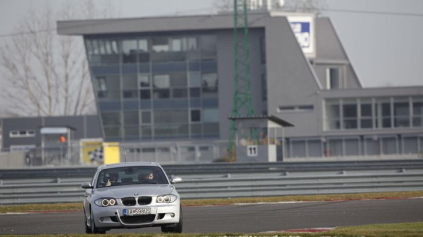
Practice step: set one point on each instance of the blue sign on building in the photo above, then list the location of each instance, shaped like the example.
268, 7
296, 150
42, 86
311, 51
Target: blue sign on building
302, 32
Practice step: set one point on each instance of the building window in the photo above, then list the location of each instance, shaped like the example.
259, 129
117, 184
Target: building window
417, 111
102, 52
132, 132
333, 78
111, 118
131, 117
298, 108
209, 84
161, 81
210, 115
366, 113
286, 108
180, 93
107, 87
143, 51
129, 86
144, 81
194, 79
100, 84
194, 92
401, 112
22, 133
195, 116
146, 132
161, 94
113, 131
192, 43
145, 94
178, 80
350, 114
208, 47
333, 115
129, 51
160, 44
383, 112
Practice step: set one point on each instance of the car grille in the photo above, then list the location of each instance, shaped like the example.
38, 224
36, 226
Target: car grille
144, 200
138, 219
129, 201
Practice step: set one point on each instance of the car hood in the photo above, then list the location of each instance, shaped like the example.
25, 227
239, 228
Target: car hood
134, 190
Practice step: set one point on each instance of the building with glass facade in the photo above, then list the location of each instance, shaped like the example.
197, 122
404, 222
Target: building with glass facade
155, 87
170, 79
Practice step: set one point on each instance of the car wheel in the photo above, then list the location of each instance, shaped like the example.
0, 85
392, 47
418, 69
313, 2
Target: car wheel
174, 229
165, 229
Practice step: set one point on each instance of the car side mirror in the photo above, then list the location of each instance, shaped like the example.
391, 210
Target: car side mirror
86, 185
175, 180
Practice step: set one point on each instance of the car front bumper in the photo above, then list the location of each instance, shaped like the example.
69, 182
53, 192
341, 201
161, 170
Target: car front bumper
113, 217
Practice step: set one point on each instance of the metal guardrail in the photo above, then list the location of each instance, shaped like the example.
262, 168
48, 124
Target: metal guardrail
219, 168
231, 180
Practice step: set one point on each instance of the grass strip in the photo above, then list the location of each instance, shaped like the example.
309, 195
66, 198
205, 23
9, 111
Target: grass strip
413, 229
377, 230
226, 201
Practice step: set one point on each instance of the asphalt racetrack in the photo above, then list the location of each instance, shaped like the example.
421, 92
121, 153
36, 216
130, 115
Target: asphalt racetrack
251, 218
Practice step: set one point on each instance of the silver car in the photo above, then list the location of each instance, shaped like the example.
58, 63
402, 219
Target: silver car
132, 195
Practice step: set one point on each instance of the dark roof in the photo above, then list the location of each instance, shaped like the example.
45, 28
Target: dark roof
272, 118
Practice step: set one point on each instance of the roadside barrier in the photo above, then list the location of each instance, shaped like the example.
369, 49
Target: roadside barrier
228, 180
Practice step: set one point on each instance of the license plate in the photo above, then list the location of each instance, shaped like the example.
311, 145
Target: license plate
136, 212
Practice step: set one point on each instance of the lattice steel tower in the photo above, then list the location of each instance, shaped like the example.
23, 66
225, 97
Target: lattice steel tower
242, 103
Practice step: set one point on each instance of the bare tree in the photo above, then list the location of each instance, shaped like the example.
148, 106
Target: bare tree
44, 74
314, 6
224, 5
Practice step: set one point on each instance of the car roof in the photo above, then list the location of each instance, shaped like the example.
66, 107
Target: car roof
128, 164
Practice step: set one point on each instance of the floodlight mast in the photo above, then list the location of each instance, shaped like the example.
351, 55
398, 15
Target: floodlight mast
242, 102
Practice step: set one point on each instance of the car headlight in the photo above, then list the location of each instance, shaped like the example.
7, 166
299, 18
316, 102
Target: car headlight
168, 198
105, 202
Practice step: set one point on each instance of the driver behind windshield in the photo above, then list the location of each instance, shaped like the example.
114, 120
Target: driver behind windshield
142, 178
112, 179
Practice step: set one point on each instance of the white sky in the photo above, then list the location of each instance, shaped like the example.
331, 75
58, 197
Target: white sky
385, 50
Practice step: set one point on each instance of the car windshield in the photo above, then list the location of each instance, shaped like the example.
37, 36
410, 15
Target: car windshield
131, 175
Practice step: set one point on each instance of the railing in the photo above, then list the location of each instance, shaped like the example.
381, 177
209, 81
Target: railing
92, 152
228, 180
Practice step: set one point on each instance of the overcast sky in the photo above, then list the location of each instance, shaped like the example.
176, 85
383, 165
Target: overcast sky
384, 49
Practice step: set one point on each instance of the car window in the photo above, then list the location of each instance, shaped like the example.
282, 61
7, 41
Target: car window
142, 175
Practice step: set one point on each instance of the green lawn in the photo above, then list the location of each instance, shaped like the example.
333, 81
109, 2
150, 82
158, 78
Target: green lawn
380, 230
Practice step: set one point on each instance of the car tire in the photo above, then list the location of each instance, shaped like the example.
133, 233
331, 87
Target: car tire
165, 229
177, 228
94, 230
